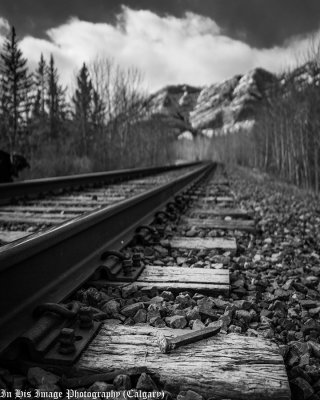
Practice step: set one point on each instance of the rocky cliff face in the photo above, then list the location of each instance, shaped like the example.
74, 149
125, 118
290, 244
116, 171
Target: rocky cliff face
172, 106
231, 104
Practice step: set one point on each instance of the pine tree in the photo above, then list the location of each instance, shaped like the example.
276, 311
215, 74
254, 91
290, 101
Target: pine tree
39, 110
16, 89
83, 108
98, 111
55, 100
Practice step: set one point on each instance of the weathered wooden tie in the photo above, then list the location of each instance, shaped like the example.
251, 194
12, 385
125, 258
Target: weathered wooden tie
87, 204
42, 209
213, 281
225, 199
223, 366
203, 243
82, 198
34, 219
214, 197
240, 225
11, 236
220, 212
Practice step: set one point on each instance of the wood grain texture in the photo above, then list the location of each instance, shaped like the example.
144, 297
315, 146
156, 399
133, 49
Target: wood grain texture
33, 218
43, 209
210, 223
203, 243
212, 281
83, 198
87, 204
10, 236
220, 212
178, 274
225, 199
223, 366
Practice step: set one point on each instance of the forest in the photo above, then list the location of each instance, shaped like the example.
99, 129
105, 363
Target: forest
102, 125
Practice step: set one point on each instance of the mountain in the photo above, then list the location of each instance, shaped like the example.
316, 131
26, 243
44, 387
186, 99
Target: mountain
172, 106
229, 105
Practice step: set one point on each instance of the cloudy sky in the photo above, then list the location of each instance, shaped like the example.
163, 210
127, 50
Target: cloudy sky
171, 41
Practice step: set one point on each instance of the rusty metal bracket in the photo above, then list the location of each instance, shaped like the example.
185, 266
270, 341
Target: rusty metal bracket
58, 336
146, 235
166, 345
182, 201
173, 208
119, 268
162, 216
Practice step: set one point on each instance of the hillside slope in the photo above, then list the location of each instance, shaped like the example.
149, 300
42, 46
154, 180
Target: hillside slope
228, 105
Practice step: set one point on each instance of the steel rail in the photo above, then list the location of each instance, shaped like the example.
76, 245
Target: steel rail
48, 267
9, 191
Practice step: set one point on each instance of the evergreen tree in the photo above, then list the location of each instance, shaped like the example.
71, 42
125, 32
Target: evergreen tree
39, 110
98, 111
55, 100
83, 108
16, 85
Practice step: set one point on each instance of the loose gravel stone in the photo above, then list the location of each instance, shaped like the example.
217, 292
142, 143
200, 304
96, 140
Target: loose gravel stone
193, 314
176, 322
301, 389
101, 387
189, 395
111, 308
145, 383
184, 300
140, 316
122, 382
167, 296
130, 311
129, 290
197, 324
38, 376
157, 322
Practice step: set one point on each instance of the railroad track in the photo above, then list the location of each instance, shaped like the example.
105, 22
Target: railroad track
156, 316
33, 206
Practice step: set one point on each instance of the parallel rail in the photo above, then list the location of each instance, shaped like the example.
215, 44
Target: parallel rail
49, 266
9, 191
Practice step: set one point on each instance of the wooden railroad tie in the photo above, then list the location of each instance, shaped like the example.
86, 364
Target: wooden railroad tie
11, 236
203, 243
17, 217
39, 209
177, 279
222, 366
210, 223
219, 197
220, 212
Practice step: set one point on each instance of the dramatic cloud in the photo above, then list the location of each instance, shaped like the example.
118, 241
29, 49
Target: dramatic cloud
260, 23
168, 50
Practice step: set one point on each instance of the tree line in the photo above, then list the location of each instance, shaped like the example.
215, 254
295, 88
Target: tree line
102, 124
